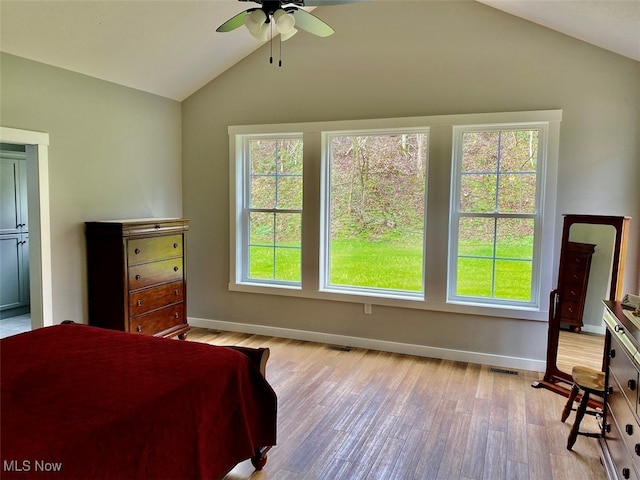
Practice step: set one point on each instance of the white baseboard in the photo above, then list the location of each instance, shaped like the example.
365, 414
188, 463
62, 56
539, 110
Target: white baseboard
373, 344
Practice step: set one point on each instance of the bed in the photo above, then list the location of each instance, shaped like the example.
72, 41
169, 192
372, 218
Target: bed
80, 402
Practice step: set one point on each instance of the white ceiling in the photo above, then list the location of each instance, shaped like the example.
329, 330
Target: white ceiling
170, 47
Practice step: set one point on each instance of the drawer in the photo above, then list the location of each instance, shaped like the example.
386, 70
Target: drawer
158, 320
143, 301
572, 293
624, 372
575, 276
626, 420
619, 452
143, 250
149, 274
569, 311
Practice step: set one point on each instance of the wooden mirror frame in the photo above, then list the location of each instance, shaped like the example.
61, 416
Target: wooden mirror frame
555, 379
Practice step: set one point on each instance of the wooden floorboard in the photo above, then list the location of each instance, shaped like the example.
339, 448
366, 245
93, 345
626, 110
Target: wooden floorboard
363, 414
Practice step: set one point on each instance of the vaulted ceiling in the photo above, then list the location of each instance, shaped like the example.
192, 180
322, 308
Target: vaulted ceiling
170, 47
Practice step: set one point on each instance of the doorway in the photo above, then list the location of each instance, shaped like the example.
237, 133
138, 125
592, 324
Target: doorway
39, 264
15, 314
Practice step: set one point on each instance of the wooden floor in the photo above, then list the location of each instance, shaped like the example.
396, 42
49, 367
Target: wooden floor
362, 414
579, 349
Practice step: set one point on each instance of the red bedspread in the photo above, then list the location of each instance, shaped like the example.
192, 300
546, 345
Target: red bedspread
80, 402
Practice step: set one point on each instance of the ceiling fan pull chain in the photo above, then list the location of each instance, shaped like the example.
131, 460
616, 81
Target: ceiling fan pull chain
271, 42
280, 59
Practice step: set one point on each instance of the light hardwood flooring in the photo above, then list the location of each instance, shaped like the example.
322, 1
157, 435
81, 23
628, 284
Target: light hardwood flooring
363, 414
579, 349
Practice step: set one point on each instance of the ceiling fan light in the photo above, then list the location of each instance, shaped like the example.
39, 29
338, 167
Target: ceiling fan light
284, 22
263, 33
255, 21
289, 34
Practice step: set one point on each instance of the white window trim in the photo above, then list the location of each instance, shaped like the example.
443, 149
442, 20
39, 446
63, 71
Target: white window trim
242, 249
440, 151
325, 257
454, 211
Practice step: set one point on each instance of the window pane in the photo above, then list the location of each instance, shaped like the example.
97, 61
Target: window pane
480, 151
515, 238
377, 202
517, 193
475, 277
289, 193
288, 261
288, 229
513, 280
519, 151
475, 237
263, 192
290, 161
478, 193
261, 263
261, 229
263, 156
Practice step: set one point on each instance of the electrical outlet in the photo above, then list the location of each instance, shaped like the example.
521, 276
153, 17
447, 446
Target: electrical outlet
367, 308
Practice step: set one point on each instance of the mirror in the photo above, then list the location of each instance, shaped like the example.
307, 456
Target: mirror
591, 270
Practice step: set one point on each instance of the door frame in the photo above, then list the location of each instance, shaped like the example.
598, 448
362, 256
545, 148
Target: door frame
40, 286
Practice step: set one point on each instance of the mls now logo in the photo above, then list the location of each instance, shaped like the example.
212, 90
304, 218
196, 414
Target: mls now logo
28, 465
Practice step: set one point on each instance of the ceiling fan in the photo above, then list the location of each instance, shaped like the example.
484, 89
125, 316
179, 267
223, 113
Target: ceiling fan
283, 15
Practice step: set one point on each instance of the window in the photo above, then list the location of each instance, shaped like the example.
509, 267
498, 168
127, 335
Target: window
338, 211
273, 209
496, 214
374, 232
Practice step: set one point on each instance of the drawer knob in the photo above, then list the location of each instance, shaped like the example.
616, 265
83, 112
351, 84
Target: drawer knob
175, 269
609, 390
139, 303
176, 292
626, 473
175, 245
607, 428
136, 251
619, 328
570, 309
629, 429
157, 226
573, 293
138, 277
637, 449
631, 384
139, 328
612, 353
177, 315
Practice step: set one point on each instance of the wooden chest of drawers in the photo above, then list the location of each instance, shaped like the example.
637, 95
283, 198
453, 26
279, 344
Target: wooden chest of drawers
572, 288
136, 275
620, 445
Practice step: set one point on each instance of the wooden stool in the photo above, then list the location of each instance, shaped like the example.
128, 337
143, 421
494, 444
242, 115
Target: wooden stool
589, 381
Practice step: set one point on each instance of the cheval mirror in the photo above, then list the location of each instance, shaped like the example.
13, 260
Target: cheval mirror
591, 269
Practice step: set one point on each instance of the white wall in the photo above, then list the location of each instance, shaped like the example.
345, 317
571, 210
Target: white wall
412, 59
114, 153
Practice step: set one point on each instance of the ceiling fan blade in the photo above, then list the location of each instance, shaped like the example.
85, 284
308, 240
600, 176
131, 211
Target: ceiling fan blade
310, 23
234, 22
